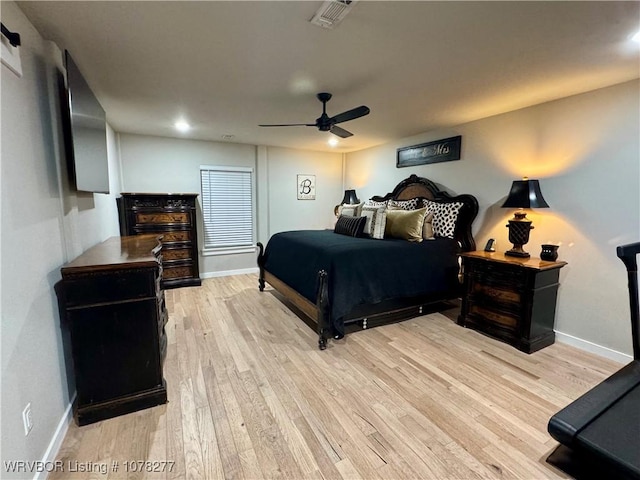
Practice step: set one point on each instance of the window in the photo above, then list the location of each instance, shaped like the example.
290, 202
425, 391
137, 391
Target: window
227, 207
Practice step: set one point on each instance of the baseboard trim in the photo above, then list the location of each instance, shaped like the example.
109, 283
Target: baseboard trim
593, 348
227, 273
56, 441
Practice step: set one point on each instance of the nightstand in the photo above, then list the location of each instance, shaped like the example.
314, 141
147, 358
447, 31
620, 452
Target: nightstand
510, 298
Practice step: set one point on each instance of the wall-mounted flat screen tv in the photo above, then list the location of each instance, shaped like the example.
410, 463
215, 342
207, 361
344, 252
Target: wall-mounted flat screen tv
86, 133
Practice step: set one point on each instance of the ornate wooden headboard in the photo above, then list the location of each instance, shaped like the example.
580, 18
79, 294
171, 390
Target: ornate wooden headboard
415, 186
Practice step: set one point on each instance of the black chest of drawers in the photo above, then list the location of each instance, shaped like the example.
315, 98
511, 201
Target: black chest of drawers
510, 298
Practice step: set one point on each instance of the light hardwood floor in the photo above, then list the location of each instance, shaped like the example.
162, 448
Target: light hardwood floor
251, 396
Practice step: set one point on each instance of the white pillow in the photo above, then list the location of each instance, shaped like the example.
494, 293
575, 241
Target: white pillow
376, 221
350, 210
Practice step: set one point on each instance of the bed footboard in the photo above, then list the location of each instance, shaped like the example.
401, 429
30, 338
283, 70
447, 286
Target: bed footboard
320, 312
261, 266
322, 303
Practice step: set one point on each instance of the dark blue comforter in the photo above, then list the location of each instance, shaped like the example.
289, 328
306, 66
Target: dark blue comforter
361, 270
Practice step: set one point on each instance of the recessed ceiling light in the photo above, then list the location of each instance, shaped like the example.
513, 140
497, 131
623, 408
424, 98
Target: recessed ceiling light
182, 126
333, 141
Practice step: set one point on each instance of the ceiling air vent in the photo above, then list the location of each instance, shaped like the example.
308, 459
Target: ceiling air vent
332, 12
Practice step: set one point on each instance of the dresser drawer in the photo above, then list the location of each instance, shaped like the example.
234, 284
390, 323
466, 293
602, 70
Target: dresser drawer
182, 271
176, 236
163, 217
84, 290
176, 254
159, 201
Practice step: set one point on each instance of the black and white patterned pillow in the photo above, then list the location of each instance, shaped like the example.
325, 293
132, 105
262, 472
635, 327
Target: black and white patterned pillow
375, 203
445, 216
412, 204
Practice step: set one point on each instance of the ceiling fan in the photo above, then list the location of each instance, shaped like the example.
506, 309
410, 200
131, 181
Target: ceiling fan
325, 123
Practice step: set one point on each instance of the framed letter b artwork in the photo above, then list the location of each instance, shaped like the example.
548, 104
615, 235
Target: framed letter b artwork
306, 187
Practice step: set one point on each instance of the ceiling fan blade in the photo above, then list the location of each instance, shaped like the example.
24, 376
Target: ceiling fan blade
341, 132
290, 125
351, 114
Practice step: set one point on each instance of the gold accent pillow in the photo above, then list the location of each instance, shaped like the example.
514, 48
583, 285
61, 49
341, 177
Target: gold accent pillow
405, 224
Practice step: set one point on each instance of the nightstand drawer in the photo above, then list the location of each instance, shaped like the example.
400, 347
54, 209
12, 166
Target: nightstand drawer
498, 275
495, 293
502, 319
493, 329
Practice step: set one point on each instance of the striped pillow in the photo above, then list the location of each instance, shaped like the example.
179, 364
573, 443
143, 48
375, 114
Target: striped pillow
352, 226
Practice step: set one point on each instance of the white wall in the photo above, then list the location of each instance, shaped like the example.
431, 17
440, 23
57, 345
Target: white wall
44, 224
286, 212
158, 164
585, 150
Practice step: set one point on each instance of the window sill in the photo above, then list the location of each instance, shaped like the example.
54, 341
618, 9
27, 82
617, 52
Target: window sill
228, 251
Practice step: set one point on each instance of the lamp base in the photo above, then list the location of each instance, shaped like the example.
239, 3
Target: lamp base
519, 228
517, 252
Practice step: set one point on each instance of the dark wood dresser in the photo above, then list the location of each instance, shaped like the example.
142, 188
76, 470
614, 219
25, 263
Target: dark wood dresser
174, 216
510, 298
112, 302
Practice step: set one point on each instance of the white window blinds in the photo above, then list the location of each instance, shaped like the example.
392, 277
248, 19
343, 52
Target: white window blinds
227, 206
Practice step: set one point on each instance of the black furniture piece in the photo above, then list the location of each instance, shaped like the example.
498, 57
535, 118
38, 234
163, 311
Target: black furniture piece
600, 431
112, 302
510, 298
174, 216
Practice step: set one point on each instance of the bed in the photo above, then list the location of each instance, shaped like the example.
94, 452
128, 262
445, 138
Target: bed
340, 280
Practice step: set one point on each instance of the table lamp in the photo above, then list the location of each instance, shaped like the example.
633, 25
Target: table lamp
524, 193
349, 198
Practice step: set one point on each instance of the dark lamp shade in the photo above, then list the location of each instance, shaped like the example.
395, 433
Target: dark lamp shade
525, 194
350, 197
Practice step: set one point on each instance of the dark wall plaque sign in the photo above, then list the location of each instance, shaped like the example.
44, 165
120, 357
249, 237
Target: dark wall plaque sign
444, 150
